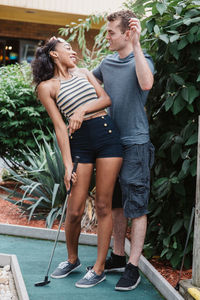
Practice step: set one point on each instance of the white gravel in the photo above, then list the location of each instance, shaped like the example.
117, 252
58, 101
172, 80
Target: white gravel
7, 285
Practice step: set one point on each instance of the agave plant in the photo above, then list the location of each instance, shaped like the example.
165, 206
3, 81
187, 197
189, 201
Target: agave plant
42, 188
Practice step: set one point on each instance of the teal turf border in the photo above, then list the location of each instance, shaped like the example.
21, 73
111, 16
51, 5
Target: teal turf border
147, 269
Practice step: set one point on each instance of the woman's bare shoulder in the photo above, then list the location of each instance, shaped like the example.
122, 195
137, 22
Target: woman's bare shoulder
84, 71
44, 85
47, 85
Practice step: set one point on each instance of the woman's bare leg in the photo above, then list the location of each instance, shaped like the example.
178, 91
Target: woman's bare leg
107, 170
75, 209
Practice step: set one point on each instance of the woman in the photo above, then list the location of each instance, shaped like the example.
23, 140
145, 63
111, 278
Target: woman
92, 137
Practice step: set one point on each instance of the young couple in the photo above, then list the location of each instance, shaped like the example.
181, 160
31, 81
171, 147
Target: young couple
116, 143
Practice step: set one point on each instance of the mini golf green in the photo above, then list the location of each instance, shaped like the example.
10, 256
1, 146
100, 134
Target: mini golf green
33, 257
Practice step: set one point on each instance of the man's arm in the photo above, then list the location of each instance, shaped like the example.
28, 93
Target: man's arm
143, 71
99, 81
97, 74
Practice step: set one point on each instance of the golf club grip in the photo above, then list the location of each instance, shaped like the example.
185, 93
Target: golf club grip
74, 170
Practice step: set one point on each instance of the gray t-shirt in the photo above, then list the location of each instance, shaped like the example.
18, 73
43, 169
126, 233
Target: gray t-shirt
128, 99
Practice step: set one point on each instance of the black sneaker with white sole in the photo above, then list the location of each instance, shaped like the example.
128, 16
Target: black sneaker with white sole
129, 279
114, 263
65, 268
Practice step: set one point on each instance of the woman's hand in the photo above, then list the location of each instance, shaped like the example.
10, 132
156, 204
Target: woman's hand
76, 120
69, 176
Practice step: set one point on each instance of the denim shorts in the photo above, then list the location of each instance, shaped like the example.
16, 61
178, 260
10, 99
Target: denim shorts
97, 138
134, 180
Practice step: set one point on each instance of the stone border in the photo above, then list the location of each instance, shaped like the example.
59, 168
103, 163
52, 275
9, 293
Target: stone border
11, 259
147, 269
188, 290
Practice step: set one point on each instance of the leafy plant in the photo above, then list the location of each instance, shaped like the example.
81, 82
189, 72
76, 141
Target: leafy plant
42, 189
40, 186
77, 31
21, 115
172, 36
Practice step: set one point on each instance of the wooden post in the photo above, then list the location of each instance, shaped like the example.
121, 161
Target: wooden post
196, 243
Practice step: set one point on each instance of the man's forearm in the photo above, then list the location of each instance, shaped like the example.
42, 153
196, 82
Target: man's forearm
143, 71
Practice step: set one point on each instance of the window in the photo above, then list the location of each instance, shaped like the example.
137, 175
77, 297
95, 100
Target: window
9, 51
16, 50
27, 50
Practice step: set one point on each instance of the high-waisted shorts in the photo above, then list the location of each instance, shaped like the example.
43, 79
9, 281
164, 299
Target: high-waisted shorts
97, 138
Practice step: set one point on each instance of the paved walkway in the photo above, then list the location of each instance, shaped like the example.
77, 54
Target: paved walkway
33, 256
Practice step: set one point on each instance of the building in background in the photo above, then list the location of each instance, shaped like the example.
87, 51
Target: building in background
24, 23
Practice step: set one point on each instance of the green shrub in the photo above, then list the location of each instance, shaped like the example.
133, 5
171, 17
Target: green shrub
172, 37
21, 115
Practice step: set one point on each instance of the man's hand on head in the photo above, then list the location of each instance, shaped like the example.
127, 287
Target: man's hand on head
135, 31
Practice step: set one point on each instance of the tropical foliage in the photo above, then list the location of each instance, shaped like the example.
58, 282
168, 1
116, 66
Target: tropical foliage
172, 36
77, 31
21, 115
42, 189
40, 185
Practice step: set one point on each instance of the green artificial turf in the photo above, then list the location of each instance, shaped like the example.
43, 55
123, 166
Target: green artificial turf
33, 257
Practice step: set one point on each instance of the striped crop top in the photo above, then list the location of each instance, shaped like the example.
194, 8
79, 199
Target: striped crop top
73, 93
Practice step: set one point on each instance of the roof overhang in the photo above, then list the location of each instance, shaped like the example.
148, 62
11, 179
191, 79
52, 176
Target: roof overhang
40, 16
55, 12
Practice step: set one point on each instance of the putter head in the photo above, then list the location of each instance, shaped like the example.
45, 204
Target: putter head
44, 282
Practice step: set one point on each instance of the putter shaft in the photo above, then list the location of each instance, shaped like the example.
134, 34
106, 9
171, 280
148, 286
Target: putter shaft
46, 281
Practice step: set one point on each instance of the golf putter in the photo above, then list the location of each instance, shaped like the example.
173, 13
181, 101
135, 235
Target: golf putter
46, 280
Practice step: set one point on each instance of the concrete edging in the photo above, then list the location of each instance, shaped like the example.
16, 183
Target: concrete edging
11, 259
188, 290
147, 269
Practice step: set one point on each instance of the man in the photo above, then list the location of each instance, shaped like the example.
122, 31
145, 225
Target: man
127, 76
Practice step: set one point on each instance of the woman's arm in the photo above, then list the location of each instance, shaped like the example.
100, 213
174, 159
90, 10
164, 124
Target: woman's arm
46, 99
92, 106
102, 95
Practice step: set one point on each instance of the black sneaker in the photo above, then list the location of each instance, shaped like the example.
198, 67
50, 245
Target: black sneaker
129, 279
114, 263
65, 268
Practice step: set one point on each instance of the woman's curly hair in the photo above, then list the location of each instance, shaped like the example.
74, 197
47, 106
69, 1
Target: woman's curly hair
43, 64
